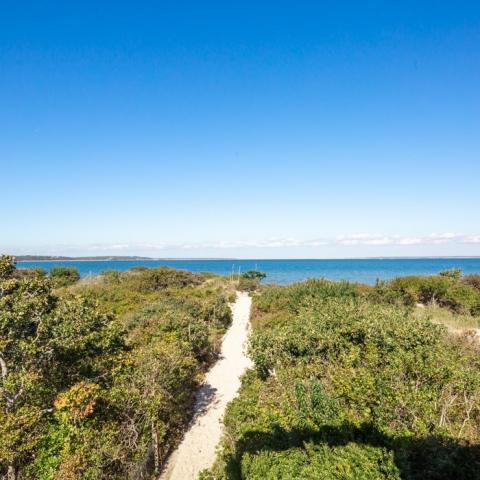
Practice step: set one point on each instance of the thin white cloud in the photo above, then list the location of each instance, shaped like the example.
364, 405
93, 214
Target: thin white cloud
346, 241
357, 239
431, 239
471, 239
124, 246
270, 243
410, 241
364, 239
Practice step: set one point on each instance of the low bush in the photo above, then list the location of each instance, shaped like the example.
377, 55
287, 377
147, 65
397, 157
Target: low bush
64, 276
153, 279
293, 298
448, 290
35, 272
351, 461
346, 388
123, 292
250, 281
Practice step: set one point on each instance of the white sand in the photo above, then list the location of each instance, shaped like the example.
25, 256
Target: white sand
197, 449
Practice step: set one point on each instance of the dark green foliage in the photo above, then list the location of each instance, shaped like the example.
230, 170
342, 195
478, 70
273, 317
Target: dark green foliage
137, 268
346, 388
309, 460
295, 297
446, 290
47, 345
121, 292
88, 395
7, 267
64, 276
185, 319
152, 279
250, 281
254, 275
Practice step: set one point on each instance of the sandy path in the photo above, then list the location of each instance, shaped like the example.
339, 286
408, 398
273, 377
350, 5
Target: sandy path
197, 449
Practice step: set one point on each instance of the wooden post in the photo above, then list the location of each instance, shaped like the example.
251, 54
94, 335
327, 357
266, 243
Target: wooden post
156, 453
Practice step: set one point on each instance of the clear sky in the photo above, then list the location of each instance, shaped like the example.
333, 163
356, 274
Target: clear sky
248, 129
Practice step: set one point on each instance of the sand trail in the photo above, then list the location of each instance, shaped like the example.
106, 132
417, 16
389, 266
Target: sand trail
197, 449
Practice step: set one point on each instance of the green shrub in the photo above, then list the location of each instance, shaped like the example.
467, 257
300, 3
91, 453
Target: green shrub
47, 344
250, 281
454, 274
152, 279
35, 272
7, 266
89, 394
64, 276
111, 276
248, 284
348, 462
294, 297
254, 275
123, 292
190, 320
346, 388
446, 290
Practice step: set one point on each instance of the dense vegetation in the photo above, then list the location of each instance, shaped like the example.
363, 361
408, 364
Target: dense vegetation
97, 378
350, 383
448, 289
64, 276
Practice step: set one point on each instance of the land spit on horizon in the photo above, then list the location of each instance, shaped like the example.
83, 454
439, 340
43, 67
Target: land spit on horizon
281, 271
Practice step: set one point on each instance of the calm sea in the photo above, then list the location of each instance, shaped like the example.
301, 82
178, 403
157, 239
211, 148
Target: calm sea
288, 271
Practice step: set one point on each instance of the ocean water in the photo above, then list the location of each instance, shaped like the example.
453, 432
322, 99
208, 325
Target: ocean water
287, 271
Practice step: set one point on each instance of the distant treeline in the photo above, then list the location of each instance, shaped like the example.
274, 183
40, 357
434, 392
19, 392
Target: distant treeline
36, 258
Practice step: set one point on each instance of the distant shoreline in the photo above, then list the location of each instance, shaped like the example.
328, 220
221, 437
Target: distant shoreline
21, 258
32, 258
281, 271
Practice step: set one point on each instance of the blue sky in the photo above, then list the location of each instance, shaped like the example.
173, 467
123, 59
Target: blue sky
247, 129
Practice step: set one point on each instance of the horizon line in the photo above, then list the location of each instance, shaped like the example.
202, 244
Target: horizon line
106, 258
